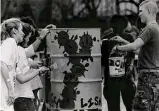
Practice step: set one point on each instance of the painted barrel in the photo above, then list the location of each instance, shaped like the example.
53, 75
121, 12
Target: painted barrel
76, 84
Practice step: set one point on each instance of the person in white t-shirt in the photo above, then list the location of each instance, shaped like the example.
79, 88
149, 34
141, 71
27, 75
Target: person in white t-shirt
35, 83
23, 90
11, 34
24, 102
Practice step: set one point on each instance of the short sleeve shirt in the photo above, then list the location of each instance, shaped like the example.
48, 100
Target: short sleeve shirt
8, 55
149, 52
29, 51
9, 52
23, 90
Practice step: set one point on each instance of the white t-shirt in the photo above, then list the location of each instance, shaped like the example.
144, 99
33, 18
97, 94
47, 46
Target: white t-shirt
8, 55
24, 90
36, 81
29, 51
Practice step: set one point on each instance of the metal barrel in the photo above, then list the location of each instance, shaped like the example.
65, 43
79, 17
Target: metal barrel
77, 82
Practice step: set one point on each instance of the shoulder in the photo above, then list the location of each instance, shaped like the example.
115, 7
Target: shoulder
147, 30
9, 43
154, 29
153, 26
10, 40
20, 49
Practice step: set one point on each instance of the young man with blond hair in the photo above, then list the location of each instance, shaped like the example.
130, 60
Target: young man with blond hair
147, 46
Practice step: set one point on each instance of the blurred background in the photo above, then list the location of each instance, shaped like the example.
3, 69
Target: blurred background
71, 13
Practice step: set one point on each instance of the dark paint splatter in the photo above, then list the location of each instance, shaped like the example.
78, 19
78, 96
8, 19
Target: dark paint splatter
87, 64
62, 37
86, 43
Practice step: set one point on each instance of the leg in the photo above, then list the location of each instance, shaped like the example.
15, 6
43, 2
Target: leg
128, 90
112, 94
36, 99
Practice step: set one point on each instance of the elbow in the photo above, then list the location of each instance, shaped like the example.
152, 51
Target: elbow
20, 80
134, 48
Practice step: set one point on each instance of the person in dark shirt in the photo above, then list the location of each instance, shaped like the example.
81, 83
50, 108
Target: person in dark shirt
121, 81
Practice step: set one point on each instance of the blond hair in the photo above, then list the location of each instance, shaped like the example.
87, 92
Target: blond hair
150, 5
7, 26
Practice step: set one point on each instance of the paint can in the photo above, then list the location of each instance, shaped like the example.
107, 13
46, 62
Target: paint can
77, 83
116, 66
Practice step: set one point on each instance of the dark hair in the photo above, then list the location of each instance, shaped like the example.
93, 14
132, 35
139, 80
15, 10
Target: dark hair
35, 32
26, 30
118, 23
28, 20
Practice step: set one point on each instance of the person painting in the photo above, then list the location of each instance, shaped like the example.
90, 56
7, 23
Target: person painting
118, 77
23, 101
11, 35
147, 47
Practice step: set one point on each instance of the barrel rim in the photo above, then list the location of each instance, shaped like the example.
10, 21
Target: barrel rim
81, 81
75, 55
72, 28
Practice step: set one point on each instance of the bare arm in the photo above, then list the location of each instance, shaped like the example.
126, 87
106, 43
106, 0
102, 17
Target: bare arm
43, 34
5, 75
120, 40
30, 51
125, 41
137, 44
36, 44
22, 78
132, 46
